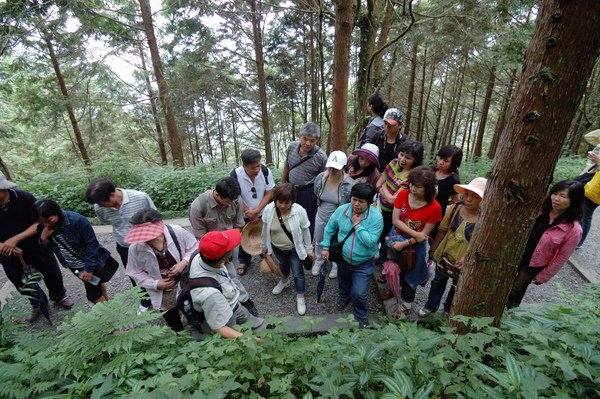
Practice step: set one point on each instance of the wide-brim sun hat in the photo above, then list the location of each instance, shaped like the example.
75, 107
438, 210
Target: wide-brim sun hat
369, 151
336, 160
593, 137
477, 186
6, 184
269, 266
144, 232
252, 237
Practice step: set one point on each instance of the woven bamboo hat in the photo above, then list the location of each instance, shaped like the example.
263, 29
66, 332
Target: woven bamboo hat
269, 266
252, 237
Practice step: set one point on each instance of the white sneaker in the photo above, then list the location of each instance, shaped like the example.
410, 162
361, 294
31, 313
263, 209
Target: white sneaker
142, 309
301, 305
333, 272
316, 268
283, 283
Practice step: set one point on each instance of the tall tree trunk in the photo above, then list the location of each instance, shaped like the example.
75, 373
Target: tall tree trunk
411, 87
558, 62
341, 71
314, 74
484, 113
236, 145
163, 87
189, 136
221, 137
456, 100
65, 93
381, 41
195, 122
367, 28
4, 169
322, 70
159, 136
575, 139
502, 118
390, 85
419, 134
438, 120
256, 15
207, 132
471, 120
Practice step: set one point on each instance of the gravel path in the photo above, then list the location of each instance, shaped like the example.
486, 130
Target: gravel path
564, 284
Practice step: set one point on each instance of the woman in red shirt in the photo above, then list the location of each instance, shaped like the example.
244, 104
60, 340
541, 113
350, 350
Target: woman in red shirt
415, 214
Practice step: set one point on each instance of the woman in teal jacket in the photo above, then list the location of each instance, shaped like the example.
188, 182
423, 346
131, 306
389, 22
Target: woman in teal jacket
362, 224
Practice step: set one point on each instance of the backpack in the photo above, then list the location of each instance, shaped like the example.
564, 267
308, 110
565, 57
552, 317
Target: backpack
264, 169
184, 299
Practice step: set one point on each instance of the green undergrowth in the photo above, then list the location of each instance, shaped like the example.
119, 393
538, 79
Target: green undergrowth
173, 190
552, 351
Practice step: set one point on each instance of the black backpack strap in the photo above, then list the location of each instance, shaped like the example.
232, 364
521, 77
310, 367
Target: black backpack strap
175, 241
233, 174
199, 282
285, 230
265, 171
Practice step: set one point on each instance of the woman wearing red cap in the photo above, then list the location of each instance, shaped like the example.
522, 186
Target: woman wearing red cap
158, 255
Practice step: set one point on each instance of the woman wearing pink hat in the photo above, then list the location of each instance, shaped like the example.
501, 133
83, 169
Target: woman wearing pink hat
452, 241
363, 164
158, 255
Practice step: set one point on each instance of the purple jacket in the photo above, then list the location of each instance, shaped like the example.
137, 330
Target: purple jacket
554, 249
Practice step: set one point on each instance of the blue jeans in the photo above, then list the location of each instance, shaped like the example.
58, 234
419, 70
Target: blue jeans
289, 260
586, 222
353, 282
438, 286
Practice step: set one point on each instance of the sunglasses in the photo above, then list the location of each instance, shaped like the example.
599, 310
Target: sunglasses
254, 195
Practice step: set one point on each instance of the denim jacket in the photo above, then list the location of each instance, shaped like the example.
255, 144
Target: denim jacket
80, 235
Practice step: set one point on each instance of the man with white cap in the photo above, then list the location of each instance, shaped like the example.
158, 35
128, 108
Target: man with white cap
332, 189
18, 229
221, 308
390, 140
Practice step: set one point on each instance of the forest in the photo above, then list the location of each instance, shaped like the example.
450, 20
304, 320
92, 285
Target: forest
191, 83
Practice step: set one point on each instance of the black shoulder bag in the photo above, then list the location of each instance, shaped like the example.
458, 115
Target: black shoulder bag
335, 247
307, 262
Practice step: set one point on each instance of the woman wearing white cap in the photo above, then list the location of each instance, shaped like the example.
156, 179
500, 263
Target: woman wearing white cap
158, 255
332, 189
363, 164
452, 241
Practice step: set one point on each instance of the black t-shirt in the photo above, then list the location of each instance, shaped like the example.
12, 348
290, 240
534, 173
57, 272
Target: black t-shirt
446, 190
17, 216
542, 223
387, 151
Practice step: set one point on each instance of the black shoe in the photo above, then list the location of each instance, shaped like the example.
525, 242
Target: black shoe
363, 323
251, 308
33, 316
341, 305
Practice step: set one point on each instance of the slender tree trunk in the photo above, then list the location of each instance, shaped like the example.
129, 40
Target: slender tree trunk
195, 122
411, 88
163, 87
471, 120
456, 100
390, 85
438, 120
189, 136
323, 76
426, 109
575, 139
256, 15
421, 97
558, 62
484, 113
314, 74
367, 28
502, 117
207, 132
221, 137
341, 72
159, 136
236, 145
65, 93
381, 41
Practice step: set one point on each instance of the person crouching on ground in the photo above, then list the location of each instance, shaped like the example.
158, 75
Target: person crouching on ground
221, 308
555, 235
361, 225
158, 254
452, 242
286, 235
72, 239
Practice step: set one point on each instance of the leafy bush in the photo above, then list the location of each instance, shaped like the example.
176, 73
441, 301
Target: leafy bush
547, 352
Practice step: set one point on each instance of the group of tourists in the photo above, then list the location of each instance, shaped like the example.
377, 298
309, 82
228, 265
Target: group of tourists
378, 206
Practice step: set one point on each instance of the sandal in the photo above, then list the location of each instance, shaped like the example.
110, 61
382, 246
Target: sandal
242, 269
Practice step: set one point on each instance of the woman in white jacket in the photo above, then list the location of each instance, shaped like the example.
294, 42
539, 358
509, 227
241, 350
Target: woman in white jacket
286, 235
158, 255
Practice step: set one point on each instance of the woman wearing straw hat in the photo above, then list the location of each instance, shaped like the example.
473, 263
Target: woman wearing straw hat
332, 189
452, 241
363, 164
158, 254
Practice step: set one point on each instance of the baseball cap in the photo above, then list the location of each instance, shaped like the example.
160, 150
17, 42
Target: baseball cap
215, 244
393, 116
336, 160
5, 184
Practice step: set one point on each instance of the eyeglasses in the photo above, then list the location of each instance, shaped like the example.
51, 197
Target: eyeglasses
254, 195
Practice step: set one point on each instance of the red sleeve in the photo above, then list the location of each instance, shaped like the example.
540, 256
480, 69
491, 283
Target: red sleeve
436, 213
402, 199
